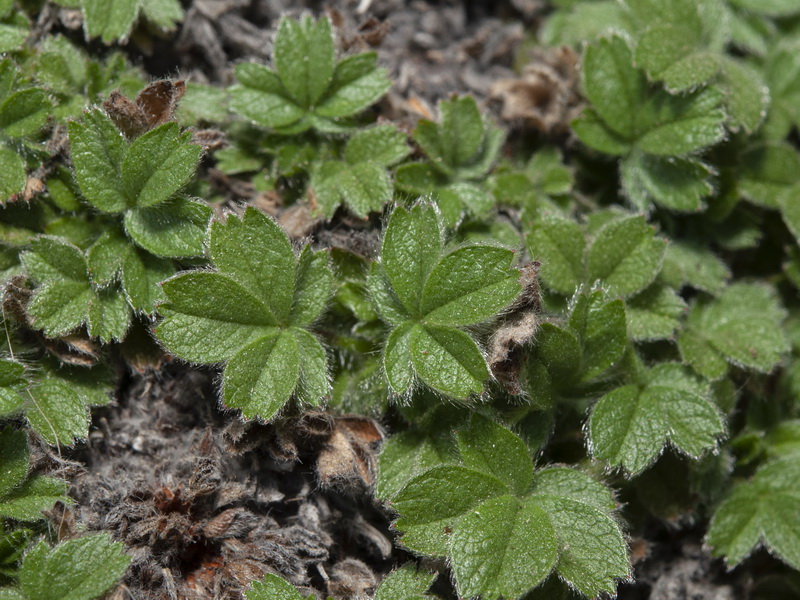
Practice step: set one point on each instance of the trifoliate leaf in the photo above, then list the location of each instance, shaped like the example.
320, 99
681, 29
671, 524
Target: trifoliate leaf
625, 256
692, 265
743, 326
273, 587
405, 583
654, 313
79, 569
109, 21
630, 425
503, 547
486, 446
250, 313
601, 330
762, 511
559, 245
409, 454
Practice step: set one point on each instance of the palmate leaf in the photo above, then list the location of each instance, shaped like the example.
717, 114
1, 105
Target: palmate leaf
504, 536
630, 425
308, 88
251, 314
427, 294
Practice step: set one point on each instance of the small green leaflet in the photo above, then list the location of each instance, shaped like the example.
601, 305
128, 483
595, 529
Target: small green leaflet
308, 88
743, 326
65, 298
21, 497
113, 21
428, 294
83, 568
273, 587
762, 511
630, 425
360, 181
505, 528
140, 181
252, 314
600, 329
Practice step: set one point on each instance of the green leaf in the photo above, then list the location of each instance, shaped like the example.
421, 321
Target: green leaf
469, 285
397, 361
57, 412
12, 37
432, 504
108, 314
630, 425
767, 171
625, 256
142, 274
164, 13
384, 298
364, 187
173, 229
782, 73
314, 382
747, 97
763, 511
357, 83
12, 173
772, 8
407, 455
383, 145
601, 330
491, 448
105, 257
687, 264
591, 556
405, 583
303, 58
653, 314
411, 247
272, 587
503, 547
79, 569
614, 87
255, 251
743, 325
260, 378
26, 502
573, 484
97, 150
448, 360
109, 21
592, 131
206, 306
157, 164
678, 184
262, 98
14, 458
313, 287
24, 112
559, 245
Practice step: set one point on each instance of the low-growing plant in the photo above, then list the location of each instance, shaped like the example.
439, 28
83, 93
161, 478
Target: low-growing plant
548, 327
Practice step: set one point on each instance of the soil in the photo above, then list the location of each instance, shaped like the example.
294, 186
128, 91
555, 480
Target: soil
205, 503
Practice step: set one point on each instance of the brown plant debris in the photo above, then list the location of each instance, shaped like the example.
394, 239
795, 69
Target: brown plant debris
205, 503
